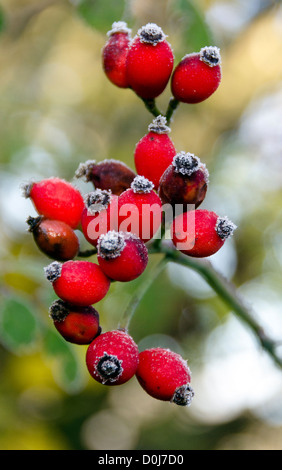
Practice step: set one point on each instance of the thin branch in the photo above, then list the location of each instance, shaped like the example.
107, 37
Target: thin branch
226, 292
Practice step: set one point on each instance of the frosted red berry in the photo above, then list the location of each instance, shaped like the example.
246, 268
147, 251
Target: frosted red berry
149, 62
197, 76
99, 214
54, 238
80, 283
77, 325
200, 233
184, 182
110, 175
56, 199
122, 256
140, 209
115, 52
112, 358
165, 375
155, 151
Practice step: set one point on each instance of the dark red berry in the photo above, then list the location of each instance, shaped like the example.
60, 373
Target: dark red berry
122, 256
200, 233
114, 54
112, 358
197, 76
155, 151
80, 283
165, 375
184, 182
78, 325
140, 209
54, 238
99, 215
56, 199
149, 62
111, 175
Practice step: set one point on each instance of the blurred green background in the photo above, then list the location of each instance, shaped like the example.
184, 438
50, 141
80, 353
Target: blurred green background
57, 109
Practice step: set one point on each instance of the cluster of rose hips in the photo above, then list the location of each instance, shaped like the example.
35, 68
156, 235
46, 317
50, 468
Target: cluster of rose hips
124, 212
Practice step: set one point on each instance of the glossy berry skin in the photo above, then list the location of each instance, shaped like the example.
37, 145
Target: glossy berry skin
110, 175
80, 283
56, 199
200, 233
100, 221
140, 210
77, 325
114, 54
112, 358
122, 256
149, 62
164, 375
154, 152
184, 184
54, 238
195, 80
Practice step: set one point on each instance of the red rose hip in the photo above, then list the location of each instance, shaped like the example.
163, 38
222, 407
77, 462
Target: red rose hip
54, 238
80, 283
122, 256
155, 151
197, 76
149, 62
99, 215
112, 358
114, 54
56, 199
140, 209
164, 375
200, 233
184, 182
77, 325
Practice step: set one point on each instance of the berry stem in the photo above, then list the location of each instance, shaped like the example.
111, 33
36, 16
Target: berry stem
139, 294
172, 105
152, 107
87, 253
225, 290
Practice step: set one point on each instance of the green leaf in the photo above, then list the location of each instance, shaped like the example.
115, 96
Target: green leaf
67, 369
2, 20
100, 15
18, 326
191, 25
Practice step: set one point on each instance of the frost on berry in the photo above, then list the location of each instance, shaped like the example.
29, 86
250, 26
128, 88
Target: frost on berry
183, 395
159, 125
111, 244
97, 200
53, 271
85, 170
58, 310
109, 368
140, 184
210, 55
224, 227
151, 34
186, 163
119, 27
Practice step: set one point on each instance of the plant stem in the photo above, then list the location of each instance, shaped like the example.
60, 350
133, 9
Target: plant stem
225, 290
151, 106
172, 105
87, 253
137, 297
